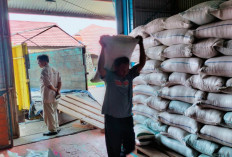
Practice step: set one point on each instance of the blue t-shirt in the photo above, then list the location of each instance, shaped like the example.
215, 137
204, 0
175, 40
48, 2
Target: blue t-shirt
118, 95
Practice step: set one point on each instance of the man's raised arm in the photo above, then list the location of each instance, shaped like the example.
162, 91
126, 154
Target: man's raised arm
101, 63
142, 58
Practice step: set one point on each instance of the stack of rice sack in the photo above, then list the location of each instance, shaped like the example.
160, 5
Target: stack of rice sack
184, 93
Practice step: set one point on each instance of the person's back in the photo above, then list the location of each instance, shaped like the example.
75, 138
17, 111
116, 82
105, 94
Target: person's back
50, 85
53, 78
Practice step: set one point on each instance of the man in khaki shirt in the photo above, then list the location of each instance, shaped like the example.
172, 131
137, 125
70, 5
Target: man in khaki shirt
50, 88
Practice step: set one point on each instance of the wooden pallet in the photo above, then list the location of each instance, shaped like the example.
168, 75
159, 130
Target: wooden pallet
156, 150
149, 151
84, 110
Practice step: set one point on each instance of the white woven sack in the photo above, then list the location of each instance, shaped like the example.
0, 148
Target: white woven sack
229, 83
139, 31
206, 48
217, 134
146, 90
226, 48
226, 4
143, 142
224, 151
207, 84
155, 53
174, 37
148, 42
180, 121
182, 65
135, 56
178, 79
227, 88
158, 79
228, 119
176, 146
145, 111
142, 132
182, 93
223, 14
140, 80
151, 66
158, 103
219, 66
177, 134
154, 26
115, 47
218, 101
178, 51
176, 21
199, 14
220, 29
178, 107
156, 125
205, 116
140, 99
205, 147
139, 119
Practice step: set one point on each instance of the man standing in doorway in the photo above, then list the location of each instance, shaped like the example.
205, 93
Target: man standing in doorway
50, 88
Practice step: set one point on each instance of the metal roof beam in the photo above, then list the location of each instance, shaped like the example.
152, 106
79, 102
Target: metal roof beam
54, 13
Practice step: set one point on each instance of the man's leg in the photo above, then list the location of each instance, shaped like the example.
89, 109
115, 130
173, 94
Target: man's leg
113, 136
128, 136
55, 105
48, 114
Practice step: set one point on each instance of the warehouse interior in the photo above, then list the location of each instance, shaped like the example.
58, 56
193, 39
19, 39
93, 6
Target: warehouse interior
182, 104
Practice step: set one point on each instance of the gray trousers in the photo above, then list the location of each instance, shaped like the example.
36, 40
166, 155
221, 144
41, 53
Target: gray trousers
50, 116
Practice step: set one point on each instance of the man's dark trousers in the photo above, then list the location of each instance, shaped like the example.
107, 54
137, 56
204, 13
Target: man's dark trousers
119, 132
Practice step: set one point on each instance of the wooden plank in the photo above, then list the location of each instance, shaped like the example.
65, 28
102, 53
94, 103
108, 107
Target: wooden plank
64, 118
81, 111
93, 103
150, 151
81, 105
172, 153
14, 113
167, 151
81, 117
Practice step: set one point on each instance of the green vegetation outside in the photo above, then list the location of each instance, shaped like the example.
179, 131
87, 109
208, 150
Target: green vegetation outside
95, 84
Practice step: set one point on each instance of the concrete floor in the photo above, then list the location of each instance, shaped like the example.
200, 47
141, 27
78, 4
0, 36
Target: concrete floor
85, 144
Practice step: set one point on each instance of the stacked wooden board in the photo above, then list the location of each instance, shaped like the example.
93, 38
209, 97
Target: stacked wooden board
154, 151
87, 111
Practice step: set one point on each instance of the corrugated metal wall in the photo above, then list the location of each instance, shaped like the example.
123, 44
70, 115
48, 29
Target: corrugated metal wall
2, 77
6, 78
183, 5
147, 10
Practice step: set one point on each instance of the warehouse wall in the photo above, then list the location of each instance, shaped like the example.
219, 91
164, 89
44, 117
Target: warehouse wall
2, 77
147, 10
7, 92
69, 62
4, 136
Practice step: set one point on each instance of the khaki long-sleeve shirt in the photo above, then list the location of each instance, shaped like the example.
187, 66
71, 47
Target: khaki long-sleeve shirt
49, 76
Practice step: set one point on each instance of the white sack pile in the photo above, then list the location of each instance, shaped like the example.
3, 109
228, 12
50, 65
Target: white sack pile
185, 88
